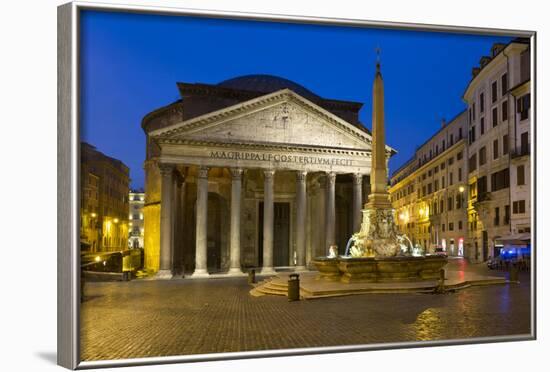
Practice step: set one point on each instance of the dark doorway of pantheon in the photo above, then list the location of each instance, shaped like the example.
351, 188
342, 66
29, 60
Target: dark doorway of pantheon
281, 234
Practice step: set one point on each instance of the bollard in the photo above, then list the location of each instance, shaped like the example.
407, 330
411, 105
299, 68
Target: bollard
514, 277
251, 276
294, 287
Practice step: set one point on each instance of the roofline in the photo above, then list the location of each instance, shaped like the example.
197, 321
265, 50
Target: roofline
518, 40
413, 157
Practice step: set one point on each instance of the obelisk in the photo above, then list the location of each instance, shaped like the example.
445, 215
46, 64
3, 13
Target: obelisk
378, 235
379, 196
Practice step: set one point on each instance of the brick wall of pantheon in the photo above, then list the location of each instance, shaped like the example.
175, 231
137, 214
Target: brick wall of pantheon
256, 171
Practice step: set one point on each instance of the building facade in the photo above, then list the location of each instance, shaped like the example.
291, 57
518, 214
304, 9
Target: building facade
136, 226
256, 171
468, 188
104, 201
428, 192
498, 99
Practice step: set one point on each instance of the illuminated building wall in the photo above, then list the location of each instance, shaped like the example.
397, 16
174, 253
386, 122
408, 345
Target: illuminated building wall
136, 217
428, 192
104, 201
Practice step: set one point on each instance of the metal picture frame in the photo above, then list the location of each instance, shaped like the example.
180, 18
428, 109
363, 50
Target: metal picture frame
68, 280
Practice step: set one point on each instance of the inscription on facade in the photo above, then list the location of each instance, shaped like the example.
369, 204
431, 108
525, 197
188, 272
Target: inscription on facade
280, 158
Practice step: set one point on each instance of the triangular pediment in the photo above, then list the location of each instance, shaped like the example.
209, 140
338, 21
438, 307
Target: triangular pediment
280, 118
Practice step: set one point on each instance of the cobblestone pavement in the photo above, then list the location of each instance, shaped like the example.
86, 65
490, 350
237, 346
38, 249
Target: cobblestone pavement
144, 318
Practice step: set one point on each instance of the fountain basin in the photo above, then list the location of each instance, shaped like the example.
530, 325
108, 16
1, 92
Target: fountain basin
381, 269
328, 268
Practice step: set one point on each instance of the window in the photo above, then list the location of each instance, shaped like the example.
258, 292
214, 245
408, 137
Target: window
518, 206
441, 206
472, 163
497, 216
506, 214
423, 190
436, 185
458, 201
451, 226
443, 182
450, 203
481, 102
481, 187
459, 156
523, 105
442, 166
524, 143
451, 140
494, 92
459, 174
424, 176
482, 156
520, 175
443, 227
494, 116
430, 173
505, 144
504, 84
500, 180
459, 133
481, 126
474, 111
504, 113
451, 161
460, 225
436, 169
472, 134
429, 188
495, 149
443, 145
450, 178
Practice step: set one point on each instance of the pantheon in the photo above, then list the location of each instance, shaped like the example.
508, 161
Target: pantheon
254, 172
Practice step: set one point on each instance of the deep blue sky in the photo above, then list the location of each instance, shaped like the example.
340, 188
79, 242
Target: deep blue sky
131, 63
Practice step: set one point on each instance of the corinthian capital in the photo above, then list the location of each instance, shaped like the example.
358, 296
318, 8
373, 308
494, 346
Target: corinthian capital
269, 173
236, 173
301, 176
166, 169
357, 179
331, 177
202, 172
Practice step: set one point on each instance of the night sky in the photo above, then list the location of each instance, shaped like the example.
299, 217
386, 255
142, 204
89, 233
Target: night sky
130, 64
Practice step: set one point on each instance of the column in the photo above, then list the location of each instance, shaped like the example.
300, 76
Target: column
178, 257
330, 210
267, 268
301, 178
235, 232
357, 201
201, 231
166, 241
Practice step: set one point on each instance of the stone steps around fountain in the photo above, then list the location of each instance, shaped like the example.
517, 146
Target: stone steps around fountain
311, 287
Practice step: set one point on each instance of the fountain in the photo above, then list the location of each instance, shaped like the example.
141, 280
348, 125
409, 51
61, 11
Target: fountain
378, 253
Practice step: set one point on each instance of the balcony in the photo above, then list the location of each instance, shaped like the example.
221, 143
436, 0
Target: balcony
520, 151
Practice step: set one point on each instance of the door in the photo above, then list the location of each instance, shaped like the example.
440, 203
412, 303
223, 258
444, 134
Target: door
281, 234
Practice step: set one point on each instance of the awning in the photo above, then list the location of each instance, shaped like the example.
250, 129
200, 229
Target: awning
515, 238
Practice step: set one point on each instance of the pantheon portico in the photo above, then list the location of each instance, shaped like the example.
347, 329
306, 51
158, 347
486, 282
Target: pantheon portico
256, 171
